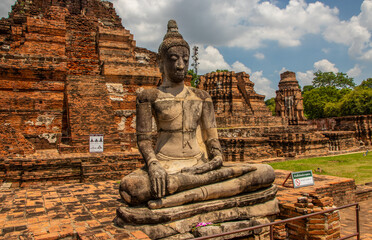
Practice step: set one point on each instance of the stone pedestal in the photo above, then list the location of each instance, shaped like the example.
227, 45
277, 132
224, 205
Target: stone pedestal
226, 214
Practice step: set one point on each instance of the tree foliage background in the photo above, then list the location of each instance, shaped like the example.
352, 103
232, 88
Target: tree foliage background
194, 77
270, 103
335, 95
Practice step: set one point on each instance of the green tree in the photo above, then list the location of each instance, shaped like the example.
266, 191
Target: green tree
316, 100
328, 95
270, 103
307, 88
332, 109
330, 79
220, 70
366, 83
357, 102
194, 79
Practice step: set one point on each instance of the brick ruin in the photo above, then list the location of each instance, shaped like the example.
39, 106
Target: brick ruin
235, 101
249, 132
289, 100
359, 126
70, 69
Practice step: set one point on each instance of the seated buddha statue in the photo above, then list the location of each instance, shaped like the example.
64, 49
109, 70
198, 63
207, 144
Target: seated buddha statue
177, 171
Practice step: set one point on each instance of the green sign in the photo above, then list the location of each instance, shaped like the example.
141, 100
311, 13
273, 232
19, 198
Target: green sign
302, 179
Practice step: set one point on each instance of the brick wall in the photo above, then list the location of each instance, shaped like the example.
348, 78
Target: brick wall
90, 111
42, 44
54, 168
361, 126
13, 143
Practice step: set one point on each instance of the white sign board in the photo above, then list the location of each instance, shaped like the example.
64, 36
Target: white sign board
96, 143
302, 179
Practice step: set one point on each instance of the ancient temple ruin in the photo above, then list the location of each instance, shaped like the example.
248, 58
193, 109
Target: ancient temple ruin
70, 69
249, 132
289, 100
235, 101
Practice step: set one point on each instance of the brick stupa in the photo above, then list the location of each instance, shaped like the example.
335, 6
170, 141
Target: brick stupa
289, 100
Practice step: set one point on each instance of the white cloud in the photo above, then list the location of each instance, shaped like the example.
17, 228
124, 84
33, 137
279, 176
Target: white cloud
354, 72
5, 7
365, 17
262, 84
325, 66
248, 24
211, 59
305, 78
354, 33
240, 67
265, 21
240, 23
259, 56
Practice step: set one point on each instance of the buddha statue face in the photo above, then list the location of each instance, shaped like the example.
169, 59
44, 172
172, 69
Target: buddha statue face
175, 63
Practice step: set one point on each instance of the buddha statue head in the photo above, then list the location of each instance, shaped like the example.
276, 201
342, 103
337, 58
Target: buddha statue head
174, 54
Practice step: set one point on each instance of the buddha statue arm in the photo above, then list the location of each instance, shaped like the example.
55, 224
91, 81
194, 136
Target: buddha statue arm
210, 137
157, 174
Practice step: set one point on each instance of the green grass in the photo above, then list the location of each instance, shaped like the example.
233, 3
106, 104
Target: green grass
354, 166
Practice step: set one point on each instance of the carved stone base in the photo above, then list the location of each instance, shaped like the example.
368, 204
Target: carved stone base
257, 234
177, 222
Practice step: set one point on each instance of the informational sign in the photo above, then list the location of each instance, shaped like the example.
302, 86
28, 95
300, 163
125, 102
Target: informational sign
302, 179
96, 143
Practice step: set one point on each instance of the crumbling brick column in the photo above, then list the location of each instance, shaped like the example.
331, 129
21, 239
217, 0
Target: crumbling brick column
319, 227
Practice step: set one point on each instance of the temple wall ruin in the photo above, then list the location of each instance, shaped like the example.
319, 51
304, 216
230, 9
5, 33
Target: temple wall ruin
359, 126
70, 69
248, 131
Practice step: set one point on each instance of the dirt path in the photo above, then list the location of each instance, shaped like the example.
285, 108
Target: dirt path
348, 223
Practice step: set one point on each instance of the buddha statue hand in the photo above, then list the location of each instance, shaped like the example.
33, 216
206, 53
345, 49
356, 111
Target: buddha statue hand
213, 164
158, 179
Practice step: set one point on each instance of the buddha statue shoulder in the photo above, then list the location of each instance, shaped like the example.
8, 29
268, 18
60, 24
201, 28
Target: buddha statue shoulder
177, 171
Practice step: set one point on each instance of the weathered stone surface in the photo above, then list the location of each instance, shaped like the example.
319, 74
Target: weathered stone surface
251, 181
157, 231
144, 215
178, 172
233, 226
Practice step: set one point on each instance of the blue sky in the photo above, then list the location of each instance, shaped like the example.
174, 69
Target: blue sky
262, 38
